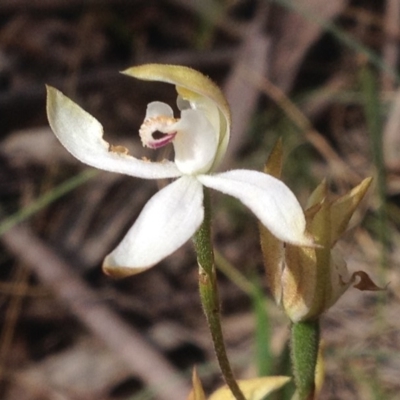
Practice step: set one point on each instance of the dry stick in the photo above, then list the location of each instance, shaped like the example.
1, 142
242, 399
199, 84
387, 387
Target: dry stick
83, 302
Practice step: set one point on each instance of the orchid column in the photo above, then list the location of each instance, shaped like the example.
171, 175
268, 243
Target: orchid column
199, 136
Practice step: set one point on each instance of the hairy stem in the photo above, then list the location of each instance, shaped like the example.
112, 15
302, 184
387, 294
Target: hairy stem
209, 295
304, 354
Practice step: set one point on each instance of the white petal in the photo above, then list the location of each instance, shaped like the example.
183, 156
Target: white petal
82, 135
270, 200
218, 122
195, 144
168, 220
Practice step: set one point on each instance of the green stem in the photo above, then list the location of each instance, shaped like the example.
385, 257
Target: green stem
44, 200
209, 295
373, 115
304, 354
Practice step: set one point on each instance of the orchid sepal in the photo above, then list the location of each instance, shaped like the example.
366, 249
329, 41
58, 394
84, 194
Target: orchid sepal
82, 135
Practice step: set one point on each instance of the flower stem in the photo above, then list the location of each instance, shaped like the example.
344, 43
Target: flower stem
209, 295
304, 354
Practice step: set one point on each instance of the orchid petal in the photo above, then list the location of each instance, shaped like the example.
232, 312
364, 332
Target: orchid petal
168, 220
220, 127
195, 143
270, 200
82, 136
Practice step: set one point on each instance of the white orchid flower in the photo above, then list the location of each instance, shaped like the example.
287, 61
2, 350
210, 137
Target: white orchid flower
200, 138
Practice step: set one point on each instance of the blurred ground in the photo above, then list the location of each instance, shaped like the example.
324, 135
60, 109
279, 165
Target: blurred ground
306, 72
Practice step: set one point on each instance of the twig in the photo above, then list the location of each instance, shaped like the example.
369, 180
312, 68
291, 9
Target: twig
83, 302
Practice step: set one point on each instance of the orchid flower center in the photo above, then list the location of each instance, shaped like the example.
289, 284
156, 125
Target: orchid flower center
156, 132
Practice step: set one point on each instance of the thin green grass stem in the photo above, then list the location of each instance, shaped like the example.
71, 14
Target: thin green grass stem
373, 116
372, 110
253, 289
232, 273
46, 199
263, 334
305, 338
209, 295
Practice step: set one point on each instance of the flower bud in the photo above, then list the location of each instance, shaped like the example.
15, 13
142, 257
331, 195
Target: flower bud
306, 281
